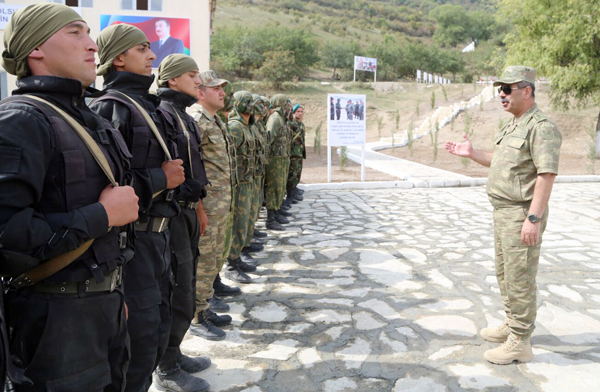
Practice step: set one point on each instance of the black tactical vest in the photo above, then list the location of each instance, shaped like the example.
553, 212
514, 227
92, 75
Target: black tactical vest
183, 143
145, 148
74, 180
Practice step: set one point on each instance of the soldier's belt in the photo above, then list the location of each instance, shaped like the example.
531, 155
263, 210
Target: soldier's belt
112, 280
188, 204
154, 225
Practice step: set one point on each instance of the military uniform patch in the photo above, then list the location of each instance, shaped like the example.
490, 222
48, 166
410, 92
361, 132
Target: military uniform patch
547, 133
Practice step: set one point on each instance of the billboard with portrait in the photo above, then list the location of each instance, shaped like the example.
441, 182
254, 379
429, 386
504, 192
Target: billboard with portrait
365, 64
166, 35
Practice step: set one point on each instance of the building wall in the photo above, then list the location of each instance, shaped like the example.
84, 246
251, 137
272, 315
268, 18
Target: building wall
198, 11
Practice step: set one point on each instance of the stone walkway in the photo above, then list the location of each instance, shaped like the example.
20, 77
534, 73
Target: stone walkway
386, 290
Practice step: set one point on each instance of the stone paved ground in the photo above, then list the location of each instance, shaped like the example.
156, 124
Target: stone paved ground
386, 290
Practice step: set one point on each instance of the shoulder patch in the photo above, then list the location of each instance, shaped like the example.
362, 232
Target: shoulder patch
548, 131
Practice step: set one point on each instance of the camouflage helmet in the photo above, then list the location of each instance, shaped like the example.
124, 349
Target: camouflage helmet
259, 105
228, 99
278, 101
243, 102
266, 108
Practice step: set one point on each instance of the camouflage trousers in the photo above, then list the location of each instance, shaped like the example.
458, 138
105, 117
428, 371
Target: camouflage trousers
241, 218
228, 230
295, 172
211, 258
255, 207
516, 268
276, 180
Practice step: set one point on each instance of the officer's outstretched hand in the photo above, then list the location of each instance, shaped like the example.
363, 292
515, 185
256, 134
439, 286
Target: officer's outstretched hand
120, 204
464, 149
174, 172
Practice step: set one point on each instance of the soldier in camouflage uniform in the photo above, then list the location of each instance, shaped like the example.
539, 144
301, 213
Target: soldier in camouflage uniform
260, 135
522, 171
277, 168
220, 168
297, 153
240, 123
349, 110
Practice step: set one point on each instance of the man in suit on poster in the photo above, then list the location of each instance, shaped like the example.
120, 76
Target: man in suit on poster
165, 45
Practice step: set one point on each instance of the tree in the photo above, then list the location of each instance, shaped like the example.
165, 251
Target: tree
561, 38
279, 67
339, 56
453, 24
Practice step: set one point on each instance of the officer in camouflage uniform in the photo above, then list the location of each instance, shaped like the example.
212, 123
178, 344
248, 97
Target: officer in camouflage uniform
240, 122
260, 135
522, 171
219, 160
297, 153
276, 170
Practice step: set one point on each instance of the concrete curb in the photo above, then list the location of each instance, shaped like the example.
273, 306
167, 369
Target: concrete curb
450, 183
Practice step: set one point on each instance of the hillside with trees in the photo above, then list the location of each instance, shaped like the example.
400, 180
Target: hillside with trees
324, 35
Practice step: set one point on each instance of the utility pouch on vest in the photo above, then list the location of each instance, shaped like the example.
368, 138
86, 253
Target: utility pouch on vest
25, 275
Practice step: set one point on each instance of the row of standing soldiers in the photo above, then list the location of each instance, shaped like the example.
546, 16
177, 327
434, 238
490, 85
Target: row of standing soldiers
118, 209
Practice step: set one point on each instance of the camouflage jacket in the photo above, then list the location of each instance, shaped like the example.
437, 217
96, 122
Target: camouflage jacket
262, 157
245, 146
523, 149
278, 133
298, 133
219, 161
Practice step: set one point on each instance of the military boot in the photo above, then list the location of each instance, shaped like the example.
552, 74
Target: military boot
253, 247
296, 195
248, 259
300, 191
244, 266
285, 207
218, 320
496, 335
216, 304
284, 213
259, 234
222, 290
235, 273
516, 348
272, 223
193, 364
177, 380
280, 218
290, 197
205, 329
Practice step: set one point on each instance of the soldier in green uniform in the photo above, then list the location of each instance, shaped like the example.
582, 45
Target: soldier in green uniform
297, 153
219, 162
260, 135
276, 170
523, 167
239, 126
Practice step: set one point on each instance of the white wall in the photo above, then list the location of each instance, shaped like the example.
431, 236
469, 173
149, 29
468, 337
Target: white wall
198, 11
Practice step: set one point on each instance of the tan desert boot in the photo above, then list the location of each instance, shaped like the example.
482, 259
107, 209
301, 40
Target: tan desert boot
496, 335
514, 349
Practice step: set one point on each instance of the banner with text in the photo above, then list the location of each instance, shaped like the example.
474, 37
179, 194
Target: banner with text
346, 125
6, 11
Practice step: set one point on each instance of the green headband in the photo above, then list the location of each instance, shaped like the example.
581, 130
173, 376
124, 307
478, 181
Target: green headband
115, 40
30, 27
173, 66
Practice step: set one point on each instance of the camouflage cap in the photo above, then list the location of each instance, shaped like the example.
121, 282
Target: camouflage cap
210, 79
516, 74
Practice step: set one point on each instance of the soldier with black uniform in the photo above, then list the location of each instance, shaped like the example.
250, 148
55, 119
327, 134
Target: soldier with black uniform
59, 205
126, 64
178, 81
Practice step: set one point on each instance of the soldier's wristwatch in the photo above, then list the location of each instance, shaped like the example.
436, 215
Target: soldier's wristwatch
533, 218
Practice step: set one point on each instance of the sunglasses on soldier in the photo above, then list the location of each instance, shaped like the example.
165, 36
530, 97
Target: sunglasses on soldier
506, 89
